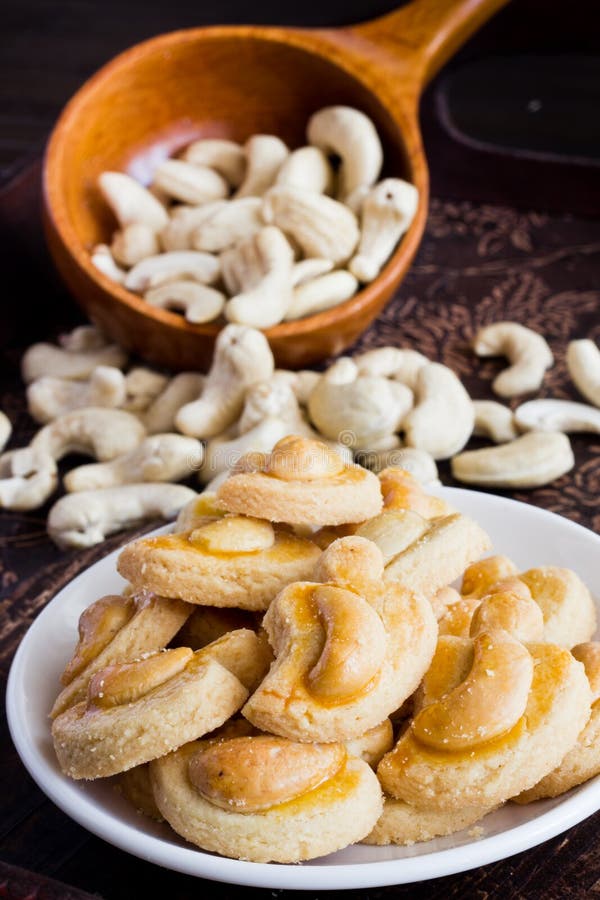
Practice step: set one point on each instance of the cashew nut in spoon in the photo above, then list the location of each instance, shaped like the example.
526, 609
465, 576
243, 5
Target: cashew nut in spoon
182, 389
494, 421
105, 262
189, 183
63, 362
27, 478
173, 266
227, 157
526, 350
398, 363
228, 224
583, 362
265, 154
49, 397
131, 202
162, 457
133, 244
558, 415
87, 518
350, 135
321, 293
242, 357
386, 214
533, 460
198, 302
318, 224
5, 430
101, 433
262, 266
357, 411
308, 169
442, 419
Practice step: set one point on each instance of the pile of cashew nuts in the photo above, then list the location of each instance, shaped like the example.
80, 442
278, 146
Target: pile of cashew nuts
388, 406
257, 233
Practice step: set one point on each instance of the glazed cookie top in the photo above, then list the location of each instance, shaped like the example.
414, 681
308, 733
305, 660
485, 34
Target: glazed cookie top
301, 482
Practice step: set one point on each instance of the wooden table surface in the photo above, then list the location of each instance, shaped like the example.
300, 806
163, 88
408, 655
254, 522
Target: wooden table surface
480, 261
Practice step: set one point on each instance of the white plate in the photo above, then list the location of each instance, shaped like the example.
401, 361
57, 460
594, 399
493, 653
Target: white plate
528, 535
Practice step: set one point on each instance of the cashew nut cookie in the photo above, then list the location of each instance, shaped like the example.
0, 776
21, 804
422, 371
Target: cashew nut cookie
403, 824
583, 761
566, 603
118, 629
349, 649
495, 716
401, 490
373, 744
301, 482
227, 561
137, 711
208, 623
266, 798
136, 787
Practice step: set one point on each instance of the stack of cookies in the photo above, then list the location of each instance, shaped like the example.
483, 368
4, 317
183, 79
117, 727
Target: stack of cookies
291, 671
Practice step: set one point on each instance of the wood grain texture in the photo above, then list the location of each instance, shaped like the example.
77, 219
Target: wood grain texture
158, 96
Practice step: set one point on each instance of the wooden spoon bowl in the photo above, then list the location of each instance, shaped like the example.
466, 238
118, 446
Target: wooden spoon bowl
233, 82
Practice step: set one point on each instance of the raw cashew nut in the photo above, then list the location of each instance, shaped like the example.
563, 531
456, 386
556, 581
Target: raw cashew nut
87, 518
357, 411
82, 338
386, 214
494, 421
307, 169
392, 362
162, 457
557, 415
48, 397
242, 357
223, 453
321, 293
190, 183
131, 202
5, 430
583, 362
177, 235
228, 224
265, 155
227, 157
442, 421
531, 461
351, 135
27, 478
307, 269
262, 266
321, 226
173, 266
101, 433
182, 389
528, 353
142, 387
420, 464
198, 302
274, 398
133, 244
104, 261
62, 362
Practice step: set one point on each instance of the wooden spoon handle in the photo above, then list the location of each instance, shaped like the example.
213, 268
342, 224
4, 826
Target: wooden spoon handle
421, 36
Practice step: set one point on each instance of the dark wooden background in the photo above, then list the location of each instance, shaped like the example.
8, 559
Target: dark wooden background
512, 134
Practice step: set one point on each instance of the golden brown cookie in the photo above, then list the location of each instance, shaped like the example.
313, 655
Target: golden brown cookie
136, 787
495, 716
140, 710
349, 649
118, 629
302, 482
403, 824
230, 561
266, 798
401, 490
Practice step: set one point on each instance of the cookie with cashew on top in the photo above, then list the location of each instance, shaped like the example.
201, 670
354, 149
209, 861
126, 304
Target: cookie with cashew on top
350, 648
266, 798
493, 716
137, 711
225, 561
301, 482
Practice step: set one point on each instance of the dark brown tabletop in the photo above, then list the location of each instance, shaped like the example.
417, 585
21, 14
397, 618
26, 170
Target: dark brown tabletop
486, 256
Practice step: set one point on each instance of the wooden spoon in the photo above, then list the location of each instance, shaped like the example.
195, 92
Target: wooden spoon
236, 81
